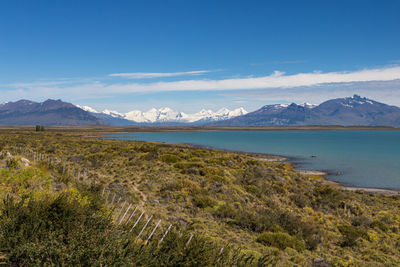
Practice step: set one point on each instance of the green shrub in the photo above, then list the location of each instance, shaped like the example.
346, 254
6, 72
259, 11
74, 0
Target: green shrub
63, 232
203, 201
225, 211
169, 158
280, 240
12, 163
189, 167
361, 221
380, 225
350, 235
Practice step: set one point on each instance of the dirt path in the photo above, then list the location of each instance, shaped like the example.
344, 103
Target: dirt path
143, 196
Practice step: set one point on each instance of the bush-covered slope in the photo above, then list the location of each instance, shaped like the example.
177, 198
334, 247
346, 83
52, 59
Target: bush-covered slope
265, 208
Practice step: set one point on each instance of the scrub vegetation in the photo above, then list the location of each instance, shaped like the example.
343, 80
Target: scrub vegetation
261, 212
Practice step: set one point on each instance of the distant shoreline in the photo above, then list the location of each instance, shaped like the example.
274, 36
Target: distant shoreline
127, 129
327, 181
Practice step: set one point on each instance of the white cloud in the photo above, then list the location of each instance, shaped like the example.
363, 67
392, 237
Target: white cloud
275, 80
277, 86
151, 75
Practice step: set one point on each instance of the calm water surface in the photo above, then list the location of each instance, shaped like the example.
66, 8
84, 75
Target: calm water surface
363, 158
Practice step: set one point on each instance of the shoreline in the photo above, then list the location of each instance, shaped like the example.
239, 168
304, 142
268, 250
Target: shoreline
279, 158
160, 128
327, 181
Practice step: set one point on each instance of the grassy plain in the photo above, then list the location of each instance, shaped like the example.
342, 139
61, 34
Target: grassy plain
266, 209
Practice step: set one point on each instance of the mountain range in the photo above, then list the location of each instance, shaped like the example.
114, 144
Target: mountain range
164, 116
349, 111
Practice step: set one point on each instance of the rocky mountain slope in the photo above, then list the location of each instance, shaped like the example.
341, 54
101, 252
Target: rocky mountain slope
349, 111
49, 112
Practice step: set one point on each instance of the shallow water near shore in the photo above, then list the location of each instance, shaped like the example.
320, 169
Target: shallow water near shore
361, 158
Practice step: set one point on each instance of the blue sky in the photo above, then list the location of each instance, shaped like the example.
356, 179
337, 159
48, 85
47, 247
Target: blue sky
189, 55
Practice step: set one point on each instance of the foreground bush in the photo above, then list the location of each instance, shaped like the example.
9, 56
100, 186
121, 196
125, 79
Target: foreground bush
280, 240
67, 231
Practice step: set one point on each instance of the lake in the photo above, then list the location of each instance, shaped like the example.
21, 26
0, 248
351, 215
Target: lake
363, 158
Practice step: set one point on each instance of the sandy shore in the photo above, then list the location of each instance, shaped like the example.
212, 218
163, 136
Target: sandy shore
326, 181
311, 172
271, 158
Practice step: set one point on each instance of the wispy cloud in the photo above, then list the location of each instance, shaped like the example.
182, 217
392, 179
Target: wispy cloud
275, 80
383, 91
284, 62
277, 84
151, 75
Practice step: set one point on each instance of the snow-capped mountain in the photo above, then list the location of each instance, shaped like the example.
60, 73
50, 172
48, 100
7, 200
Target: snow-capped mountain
348, 111
113, 113
168, 115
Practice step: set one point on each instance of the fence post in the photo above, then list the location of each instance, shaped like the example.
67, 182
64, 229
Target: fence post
130, 217
190, 239
108, 193
112, 200
144, 227
152, 232
119, 213
126, 212
165, 234
137, 221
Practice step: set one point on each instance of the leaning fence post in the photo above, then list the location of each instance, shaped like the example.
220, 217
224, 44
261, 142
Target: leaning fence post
190, 239
144, 227
108, 193
119, 213
165, 234
152, 232
130, 217
126, 212
219, 254
137, 221
112, 200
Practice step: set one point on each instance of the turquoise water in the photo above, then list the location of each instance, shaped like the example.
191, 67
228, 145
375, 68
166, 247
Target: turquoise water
363, 158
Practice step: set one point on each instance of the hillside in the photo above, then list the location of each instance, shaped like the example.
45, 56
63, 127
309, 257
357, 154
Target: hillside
349, 111
266, 208
49, 112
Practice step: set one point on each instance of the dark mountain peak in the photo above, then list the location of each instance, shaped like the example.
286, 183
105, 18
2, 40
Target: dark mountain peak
49, 112
56, 104
294, 106
357, 97
48, 101
20, 104
24, 101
